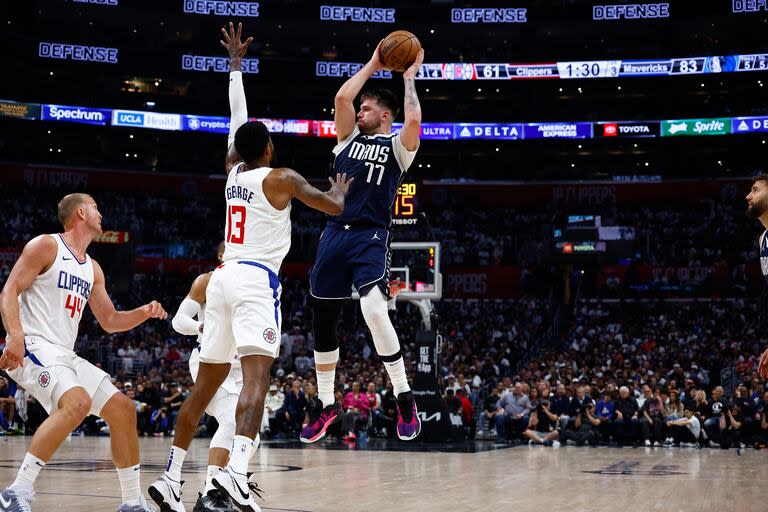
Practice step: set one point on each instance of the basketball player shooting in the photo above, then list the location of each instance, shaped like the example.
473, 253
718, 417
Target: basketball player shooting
757, 208
243, 294
41, 305
354, 248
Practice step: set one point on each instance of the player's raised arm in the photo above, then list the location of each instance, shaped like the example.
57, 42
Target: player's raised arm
237, 104
184, 321
38, 255
344, 113
411, 131
109, 318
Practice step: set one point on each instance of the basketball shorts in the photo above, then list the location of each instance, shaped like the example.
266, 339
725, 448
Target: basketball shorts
221, 403
346, 257
51, 370
242, 312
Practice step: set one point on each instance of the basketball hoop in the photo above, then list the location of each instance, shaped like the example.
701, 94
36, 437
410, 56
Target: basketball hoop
395, 287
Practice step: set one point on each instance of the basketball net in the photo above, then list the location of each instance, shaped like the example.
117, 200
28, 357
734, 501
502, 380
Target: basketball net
395, 287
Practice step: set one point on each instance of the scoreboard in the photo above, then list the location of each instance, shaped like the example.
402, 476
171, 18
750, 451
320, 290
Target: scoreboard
594, 68
404, 211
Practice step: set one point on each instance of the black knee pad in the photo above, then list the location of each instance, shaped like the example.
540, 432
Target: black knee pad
325, 313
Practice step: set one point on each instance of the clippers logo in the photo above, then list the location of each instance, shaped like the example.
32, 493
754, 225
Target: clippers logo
44, 379
270, 336
610, 130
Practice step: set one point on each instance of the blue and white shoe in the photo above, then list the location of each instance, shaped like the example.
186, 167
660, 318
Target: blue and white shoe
15, 500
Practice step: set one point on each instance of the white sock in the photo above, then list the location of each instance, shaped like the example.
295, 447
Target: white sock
374, 308
240, 454
396, 372
212, 470
130, 484
325, 387
30, 468
175, 461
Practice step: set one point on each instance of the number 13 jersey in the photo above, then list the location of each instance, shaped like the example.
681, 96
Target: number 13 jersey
377, 162
255, 230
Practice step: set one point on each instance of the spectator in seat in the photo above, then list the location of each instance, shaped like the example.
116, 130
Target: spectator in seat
731, 423
487, 418
713, 414
384, 420
700, 405
748, 411
685, 431
760, 439
7, 402
559, 405
467, 413
585, 427
356, 410
652, 424
626, 423
512, 414
272, 404
294, 409
542, 427
605, 411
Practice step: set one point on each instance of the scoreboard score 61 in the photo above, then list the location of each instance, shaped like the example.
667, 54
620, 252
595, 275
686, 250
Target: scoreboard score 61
406, 202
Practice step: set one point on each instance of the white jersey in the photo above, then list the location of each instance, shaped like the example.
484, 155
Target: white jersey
255, 230
53, 304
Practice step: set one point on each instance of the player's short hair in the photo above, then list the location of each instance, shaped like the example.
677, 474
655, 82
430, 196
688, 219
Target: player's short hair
760, 177
68, 204
220, 247
251, 140
385, 98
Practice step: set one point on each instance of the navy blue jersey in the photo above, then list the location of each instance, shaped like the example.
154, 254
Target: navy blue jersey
377, 162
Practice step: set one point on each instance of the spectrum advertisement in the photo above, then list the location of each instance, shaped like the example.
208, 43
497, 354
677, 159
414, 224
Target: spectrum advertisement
97, 116
429, 131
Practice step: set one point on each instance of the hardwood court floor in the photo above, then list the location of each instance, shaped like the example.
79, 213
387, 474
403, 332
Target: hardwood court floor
81, 478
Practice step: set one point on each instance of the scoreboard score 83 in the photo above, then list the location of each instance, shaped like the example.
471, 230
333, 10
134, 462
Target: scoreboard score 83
404, 211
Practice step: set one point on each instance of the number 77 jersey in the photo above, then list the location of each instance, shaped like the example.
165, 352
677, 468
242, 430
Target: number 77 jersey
377, 162
255, 230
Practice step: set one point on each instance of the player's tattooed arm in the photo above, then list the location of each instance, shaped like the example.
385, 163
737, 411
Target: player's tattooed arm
411, 131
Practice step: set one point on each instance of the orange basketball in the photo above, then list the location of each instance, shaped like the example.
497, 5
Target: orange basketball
398, 50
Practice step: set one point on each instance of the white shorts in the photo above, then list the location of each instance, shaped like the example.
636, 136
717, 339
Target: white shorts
242, 312
222, 402
51, 370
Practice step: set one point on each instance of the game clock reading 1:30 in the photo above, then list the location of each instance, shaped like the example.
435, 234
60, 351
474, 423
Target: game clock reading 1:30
404, 209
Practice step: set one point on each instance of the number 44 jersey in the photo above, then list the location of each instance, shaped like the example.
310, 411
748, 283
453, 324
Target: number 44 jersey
255, 230
377, 162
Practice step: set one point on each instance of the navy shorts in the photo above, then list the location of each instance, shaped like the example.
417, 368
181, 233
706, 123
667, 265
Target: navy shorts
358, 256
